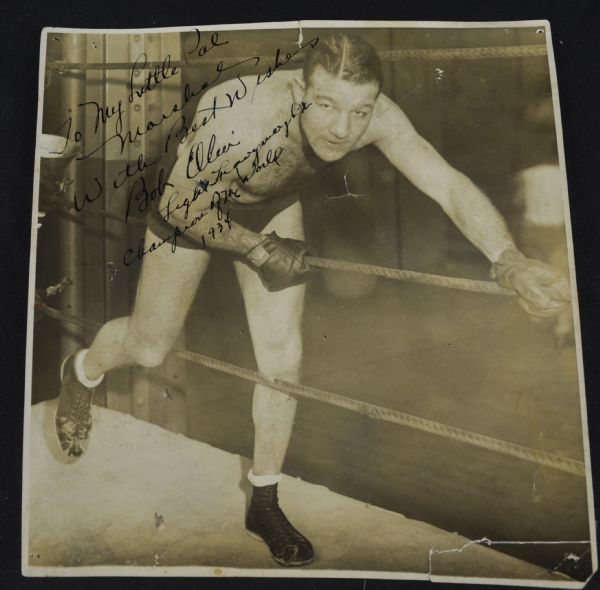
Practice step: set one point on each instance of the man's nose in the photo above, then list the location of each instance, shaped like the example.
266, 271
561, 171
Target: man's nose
341, 126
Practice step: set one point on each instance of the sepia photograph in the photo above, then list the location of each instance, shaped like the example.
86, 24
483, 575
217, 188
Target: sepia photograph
302, 303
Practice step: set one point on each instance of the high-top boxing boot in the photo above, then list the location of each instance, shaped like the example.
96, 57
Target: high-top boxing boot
266, 521
73, 418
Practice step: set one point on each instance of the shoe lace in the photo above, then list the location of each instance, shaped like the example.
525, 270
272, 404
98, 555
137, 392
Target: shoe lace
281, 531
80, 410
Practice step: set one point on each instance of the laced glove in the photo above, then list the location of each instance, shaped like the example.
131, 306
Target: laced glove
543, 291
280, 262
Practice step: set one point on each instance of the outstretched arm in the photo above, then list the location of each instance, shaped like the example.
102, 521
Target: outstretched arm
463, 202
542, 289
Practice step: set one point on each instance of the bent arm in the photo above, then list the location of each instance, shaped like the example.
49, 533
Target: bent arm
234, 239
463, 202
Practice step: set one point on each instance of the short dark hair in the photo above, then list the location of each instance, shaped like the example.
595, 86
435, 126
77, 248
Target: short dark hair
347, 56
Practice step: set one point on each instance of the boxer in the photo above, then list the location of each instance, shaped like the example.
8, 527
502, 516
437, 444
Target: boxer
245, 204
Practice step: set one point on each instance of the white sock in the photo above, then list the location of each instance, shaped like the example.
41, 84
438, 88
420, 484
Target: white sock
80, 373
260, 481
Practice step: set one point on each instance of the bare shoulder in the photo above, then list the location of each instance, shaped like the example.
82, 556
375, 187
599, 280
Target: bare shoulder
233, 118
245, 105
389, 123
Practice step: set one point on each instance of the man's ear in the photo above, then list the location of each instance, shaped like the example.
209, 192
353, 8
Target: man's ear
298, 88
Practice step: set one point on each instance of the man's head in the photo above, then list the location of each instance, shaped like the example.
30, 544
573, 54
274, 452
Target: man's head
342, 79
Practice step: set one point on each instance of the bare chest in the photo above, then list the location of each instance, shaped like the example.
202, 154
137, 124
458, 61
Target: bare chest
273, 170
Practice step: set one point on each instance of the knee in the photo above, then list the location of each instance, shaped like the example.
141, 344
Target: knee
281, 358
150, 356
145, 348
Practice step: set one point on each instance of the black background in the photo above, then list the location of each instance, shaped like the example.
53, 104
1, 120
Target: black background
574, 30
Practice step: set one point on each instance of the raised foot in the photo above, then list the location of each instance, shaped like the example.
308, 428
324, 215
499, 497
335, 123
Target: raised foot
73, 418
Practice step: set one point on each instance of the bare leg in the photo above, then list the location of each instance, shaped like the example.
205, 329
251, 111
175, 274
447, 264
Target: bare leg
167, 286
275, 321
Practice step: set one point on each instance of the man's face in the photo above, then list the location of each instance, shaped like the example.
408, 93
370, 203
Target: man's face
339, 114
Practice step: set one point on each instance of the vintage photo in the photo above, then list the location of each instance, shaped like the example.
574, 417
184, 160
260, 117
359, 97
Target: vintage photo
302, 303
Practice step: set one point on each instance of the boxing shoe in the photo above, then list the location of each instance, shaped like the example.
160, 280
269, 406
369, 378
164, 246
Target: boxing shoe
73, 418
266, 521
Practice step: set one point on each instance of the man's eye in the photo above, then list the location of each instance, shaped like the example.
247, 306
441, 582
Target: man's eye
324, 105
361, 114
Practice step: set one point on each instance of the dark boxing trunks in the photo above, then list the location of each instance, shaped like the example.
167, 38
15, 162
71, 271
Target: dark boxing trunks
252, 216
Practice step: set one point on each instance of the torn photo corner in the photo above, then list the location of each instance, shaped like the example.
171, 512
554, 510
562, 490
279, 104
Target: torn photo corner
303, 304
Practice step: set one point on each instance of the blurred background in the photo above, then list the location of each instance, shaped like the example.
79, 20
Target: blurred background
469, 360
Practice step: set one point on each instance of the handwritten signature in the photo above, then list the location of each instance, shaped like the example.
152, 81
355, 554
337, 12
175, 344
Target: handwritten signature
105, 113
204, 157
218, 200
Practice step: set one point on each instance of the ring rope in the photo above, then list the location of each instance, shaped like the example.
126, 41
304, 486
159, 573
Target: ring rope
94, 212
360, 407
508, 51
488, 287
451, 54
